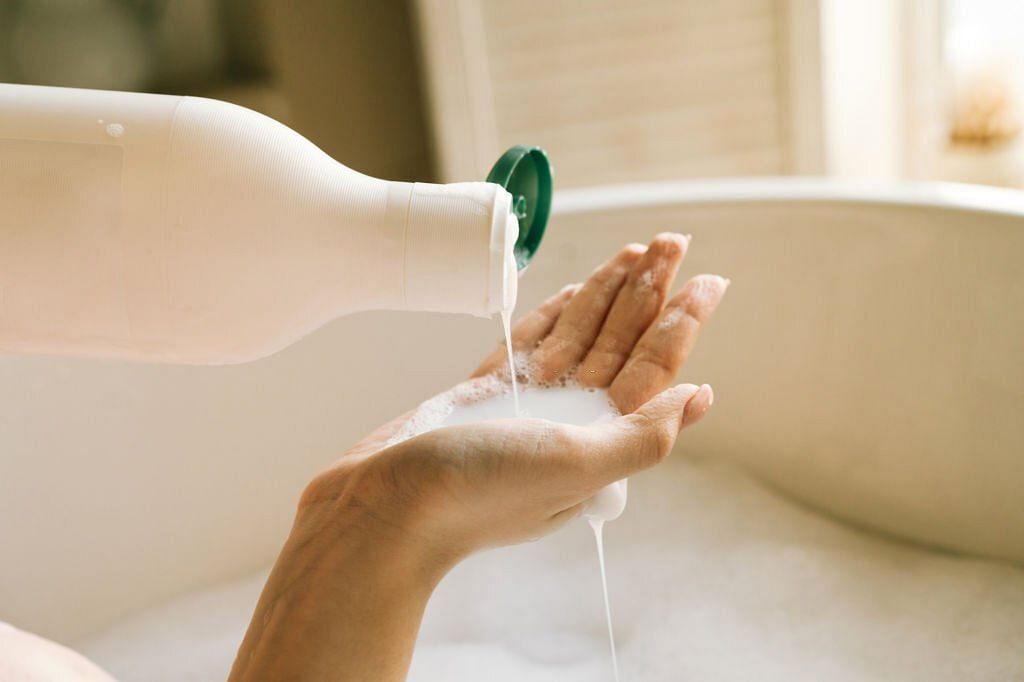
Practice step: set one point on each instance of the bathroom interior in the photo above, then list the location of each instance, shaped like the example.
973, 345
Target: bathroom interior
851, 509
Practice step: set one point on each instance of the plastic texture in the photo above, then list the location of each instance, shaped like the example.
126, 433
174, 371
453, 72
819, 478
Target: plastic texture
526, 173
189, 230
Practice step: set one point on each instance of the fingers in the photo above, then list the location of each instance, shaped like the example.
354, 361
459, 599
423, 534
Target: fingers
636, 305
581, 319
664, 347
528, 331
644, 438
698, 406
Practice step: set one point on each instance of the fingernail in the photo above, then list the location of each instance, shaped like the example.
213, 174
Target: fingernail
689, 238
669, 244
698, 405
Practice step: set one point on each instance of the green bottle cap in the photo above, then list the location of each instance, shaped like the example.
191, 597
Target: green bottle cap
525, 172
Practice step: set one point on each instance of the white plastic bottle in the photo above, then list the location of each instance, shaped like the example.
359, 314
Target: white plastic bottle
183, 229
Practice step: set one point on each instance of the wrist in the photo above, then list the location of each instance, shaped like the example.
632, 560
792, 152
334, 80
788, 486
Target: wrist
387, 546
351, 507
344, 579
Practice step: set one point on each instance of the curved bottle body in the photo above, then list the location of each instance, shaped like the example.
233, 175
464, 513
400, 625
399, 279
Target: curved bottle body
183, 229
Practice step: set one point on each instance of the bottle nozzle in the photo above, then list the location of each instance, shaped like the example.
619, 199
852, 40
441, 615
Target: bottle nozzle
525, 171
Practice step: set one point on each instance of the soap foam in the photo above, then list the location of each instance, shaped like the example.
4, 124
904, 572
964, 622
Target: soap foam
563, 400
432, 413
565, 404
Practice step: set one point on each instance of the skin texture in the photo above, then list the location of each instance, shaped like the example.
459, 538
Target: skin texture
29, 658
376, 531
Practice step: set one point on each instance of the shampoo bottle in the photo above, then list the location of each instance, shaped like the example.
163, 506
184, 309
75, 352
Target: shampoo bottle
184, 229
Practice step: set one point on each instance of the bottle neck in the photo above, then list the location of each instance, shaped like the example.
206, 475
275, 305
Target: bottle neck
458, 247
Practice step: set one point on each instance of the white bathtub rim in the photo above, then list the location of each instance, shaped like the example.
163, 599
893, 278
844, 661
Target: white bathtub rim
797, 190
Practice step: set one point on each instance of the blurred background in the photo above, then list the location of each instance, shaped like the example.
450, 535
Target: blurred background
617, 91
122, 485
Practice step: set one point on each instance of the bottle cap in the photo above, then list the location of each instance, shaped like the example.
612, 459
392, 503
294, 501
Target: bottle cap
525, 172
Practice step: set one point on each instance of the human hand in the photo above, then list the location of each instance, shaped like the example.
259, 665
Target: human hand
615, 330
460, 488
378, 529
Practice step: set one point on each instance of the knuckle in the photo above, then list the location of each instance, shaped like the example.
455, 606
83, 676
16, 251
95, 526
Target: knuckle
656, 438
560, 438
662, 442
317, 490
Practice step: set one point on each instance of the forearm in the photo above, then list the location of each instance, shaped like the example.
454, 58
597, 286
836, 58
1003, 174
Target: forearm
343, 603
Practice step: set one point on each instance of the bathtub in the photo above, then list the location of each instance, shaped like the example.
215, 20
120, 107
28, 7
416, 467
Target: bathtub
868, 364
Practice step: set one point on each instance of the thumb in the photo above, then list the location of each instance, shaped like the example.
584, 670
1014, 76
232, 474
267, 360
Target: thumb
643, 438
